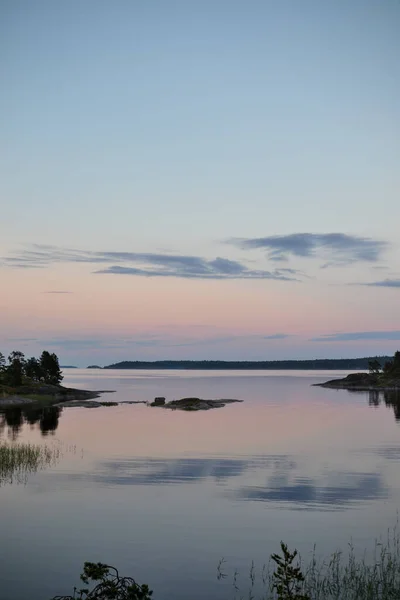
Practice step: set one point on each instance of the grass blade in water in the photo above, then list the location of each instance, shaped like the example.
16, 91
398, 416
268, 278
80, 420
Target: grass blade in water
17, 461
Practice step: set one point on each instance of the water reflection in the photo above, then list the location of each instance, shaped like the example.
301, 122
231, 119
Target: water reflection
14, 418
47, 418
293, 462
307, 493
390, 398
388, 452
150, 471
270, 479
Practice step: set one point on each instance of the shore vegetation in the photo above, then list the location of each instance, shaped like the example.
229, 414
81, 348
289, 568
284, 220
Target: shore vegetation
381, 376
18, 460
18, 370
343, 576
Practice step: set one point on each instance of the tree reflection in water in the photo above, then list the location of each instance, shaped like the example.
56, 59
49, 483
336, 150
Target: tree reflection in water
391, 398
45, 418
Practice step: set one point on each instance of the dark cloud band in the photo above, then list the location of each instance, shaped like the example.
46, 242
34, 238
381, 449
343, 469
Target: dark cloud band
342, 248
388, 283
358, 335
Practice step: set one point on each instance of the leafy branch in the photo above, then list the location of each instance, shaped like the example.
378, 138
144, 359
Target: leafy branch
110, 586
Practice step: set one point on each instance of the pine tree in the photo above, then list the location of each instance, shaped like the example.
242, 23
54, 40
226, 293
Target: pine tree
50, 368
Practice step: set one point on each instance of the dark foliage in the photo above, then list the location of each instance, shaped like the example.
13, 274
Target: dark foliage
374, 366
288, 579
46, 369
50, 367
14, 372
33, 369
110, 586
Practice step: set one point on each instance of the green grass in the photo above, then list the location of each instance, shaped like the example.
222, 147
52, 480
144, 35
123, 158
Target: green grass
18, 460
343, 576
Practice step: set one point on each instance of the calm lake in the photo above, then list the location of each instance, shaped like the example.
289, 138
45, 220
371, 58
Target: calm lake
164, 495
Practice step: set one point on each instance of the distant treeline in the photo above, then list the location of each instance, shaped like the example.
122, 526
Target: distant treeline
320, 363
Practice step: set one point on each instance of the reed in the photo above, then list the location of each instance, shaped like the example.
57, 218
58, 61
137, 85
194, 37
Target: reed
18, 460
342, 576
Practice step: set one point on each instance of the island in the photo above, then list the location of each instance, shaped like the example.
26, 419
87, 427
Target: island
192, 404
380, 377
37, 381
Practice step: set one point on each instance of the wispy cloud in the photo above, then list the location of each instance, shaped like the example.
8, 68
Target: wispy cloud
23, 340
148, 264
340, 247
151, 341
57, 292
389, 283
209, 270
358, 335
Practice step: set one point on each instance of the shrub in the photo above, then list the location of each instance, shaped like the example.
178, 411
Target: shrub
110, 585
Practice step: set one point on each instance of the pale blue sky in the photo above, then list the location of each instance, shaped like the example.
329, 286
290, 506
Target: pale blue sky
152, 126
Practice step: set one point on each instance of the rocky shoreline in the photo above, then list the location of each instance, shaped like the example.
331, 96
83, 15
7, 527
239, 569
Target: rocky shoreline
360, 382
46, 393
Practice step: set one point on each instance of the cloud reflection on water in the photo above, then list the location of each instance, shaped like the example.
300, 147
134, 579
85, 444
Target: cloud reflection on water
271, 479
308, 493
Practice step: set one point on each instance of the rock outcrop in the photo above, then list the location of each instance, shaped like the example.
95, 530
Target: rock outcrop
363, 381
193, 404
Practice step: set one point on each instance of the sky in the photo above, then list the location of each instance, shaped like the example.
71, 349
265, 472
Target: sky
199, 180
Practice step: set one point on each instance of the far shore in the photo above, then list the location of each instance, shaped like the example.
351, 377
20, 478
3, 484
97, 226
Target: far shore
348, 364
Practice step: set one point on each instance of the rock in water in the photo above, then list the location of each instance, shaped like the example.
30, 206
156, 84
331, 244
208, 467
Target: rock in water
159, 401
194, 404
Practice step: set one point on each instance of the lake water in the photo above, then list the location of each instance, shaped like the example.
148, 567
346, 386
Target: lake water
164, 495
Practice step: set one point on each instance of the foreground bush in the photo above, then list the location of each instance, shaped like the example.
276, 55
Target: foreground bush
110, 585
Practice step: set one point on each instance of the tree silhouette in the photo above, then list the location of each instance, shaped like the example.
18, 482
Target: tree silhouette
15, 369
33, 369
374, 367
50, 367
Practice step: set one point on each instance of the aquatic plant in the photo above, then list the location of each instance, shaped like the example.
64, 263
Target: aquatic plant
288, 578
343, 576
18, 460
